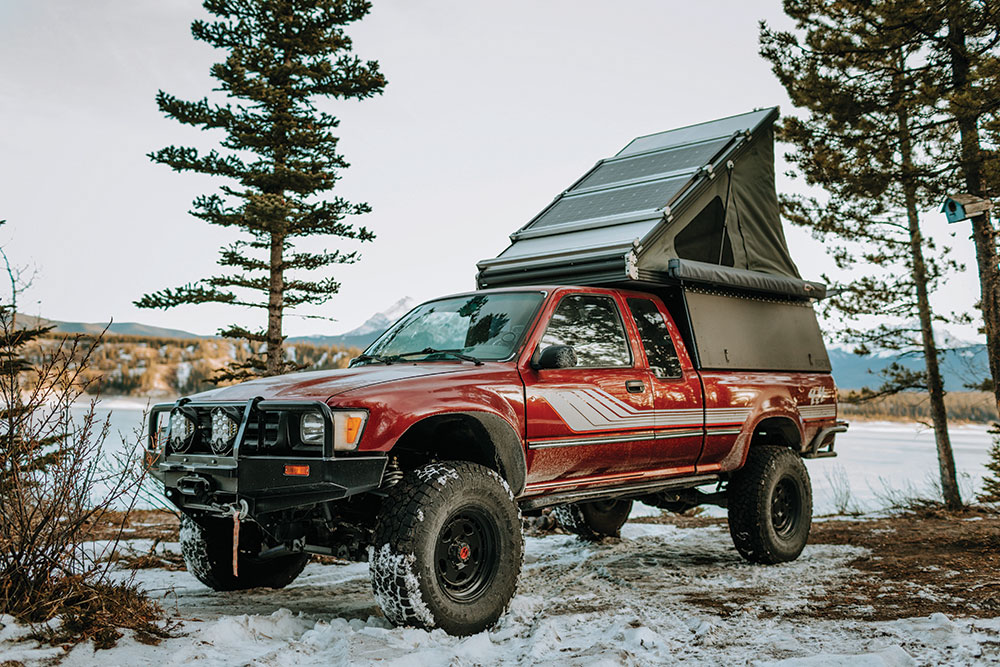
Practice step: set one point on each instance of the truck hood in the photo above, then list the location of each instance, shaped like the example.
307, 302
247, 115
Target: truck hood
322, 385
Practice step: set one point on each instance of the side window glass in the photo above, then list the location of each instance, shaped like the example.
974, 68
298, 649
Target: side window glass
592, 325
655, 337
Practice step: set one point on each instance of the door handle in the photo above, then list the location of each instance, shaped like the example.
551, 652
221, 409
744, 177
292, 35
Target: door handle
635, 386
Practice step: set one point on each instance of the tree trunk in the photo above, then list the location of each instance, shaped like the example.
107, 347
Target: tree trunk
982, 227
275, 305
918, 269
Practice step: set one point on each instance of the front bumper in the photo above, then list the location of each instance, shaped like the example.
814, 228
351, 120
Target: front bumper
259, 484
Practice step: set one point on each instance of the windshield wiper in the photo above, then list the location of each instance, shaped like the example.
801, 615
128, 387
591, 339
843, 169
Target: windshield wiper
433, 350
374, 357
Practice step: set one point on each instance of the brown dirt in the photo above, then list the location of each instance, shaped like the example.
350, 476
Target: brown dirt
141, 525
918, 563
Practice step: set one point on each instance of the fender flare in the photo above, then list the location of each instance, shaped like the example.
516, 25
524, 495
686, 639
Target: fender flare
508, 448
504, 448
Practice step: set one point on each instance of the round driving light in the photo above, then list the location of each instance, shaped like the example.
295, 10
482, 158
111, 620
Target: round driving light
181, 432
224, 429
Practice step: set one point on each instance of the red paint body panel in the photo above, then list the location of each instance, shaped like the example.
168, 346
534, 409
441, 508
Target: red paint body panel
580, 427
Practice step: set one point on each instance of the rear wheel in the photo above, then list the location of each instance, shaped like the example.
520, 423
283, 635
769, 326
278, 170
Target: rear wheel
448, 549
594, 520
770, 506
208, 553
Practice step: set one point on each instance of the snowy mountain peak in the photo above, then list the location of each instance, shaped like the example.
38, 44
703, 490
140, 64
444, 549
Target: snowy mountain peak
381, 321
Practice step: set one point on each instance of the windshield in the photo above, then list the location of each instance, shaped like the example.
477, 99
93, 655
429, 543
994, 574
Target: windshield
485, 326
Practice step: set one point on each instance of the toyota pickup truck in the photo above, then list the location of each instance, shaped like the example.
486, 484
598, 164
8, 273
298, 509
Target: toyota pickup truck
475, 408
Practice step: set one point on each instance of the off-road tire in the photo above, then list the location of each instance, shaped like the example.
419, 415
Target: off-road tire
770, 506
594, 520
420, 572
208, 552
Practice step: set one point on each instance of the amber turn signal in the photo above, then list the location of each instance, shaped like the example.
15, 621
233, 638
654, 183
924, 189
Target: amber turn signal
296, 471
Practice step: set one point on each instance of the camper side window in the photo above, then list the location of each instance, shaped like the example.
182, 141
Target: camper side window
655, 337
592, 326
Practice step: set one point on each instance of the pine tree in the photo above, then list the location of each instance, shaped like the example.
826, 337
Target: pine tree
991, 482
283, 56
861, 77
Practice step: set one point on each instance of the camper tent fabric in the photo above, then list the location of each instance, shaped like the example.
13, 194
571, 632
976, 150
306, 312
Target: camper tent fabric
664, 196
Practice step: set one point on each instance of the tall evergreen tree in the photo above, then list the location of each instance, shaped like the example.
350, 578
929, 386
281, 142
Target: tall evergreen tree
283, 56
967, 68
863, 83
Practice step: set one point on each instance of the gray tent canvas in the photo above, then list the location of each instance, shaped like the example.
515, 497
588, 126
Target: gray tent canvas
691, 205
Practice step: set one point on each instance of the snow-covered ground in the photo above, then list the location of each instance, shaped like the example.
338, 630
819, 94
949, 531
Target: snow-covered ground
661, 595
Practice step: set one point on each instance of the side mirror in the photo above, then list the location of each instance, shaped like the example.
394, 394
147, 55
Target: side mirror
555, 356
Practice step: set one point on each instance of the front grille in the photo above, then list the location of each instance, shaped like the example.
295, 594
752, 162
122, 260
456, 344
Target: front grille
266, 431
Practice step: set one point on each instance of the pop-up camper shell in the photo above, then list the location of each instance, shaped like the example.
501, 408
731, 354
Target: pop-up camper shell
690, 214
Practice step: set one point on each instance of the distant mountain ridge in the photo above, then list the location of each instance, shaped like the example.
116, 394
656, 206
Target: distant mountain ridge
116, 328
365, 334
959, 366
360, 336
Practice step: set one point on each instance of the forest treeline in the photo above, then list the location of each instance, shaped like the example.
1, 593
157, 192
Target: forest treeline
962, 406
141, 366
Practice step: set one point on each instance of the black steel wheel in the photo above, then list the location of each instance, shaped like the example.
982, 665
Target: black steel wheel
596, 519
448, 548
770, 505
467, 554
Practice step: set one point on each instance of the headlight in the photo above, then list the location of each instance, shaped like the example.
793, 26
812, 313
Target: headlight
311, 428
224, 430
181, 432
347, 428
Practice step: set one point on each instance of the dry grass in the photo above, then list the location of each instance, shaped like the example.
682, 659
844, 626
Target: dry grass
962, 406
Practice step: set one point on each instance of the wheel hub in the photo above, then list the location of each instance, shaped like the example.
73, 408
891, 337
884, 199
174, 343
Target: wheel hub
467, 554
784, 507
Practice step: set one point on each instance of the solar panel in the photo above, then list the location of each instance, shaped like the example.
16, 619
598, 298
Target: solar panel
686, 159
616, 201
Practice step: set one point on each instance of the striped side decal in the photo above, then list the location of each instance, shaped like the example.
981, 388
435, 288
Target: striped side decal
590, 409
827, 411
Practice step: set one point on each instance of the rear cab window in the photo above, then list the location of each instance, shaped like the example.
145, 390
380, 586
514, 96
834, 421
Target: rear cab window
655, 336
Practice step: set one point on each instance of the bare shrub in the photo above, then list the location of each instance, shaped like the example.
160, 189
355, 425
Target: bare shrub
55, 482
840, 490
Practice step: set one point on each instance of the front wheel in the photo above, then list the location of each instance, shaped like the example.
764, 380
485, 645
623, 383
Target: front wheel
770, 506
448, 549
208, 553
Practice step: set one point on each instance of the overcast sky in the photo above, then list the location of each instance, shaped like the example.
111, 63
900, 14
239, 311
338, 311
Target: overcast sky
492, 109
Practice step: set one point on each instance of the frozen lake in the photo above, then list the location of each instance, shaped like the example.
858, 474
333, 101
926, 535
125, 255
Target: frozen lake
876, 459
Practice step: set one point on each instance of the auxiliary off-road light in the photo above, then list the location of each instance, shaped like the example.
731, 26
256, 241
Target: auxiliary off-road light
181, 431
224, 430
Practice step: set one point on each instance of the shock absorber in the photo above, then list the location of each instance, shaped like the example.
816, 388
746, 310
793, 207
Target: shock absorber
392, 473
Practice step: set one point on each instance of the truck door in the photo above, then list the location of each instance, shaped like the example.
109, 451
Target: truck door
584, 422
679, 426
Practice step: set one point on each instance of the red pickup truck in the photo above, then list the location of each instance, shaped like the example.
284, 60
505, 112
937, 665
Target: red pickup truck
475, 408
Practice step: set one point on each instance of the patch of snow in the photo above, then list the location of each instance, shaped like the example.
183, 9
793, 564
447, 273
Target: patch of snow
437, 472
